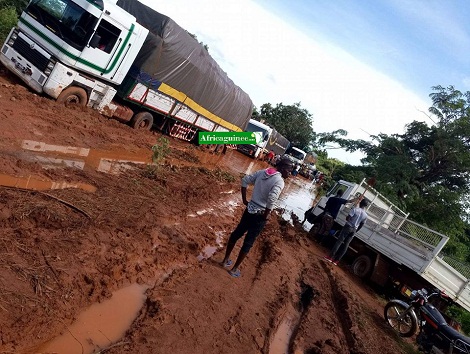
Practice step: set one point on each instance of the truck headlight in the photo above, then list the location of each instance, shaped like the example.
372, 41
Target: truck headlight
50, 66
12, 39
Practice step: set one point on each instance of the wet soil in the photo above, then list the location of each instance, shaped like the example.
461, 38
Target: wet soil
82, 216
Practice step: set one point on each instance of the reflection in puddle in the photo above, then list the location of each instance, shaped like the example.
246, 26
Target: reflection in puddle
101, 325
209, 251
40, 185
297, 197
281, 341
114, 162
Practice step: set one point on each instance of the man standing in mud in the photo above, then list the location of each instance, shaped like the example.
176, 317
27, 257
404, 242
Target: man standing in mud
268, 185
354, 222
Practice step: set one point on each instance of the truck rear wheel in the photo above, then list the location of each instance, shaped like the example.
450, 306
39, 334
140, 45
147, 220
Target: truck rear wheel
73, 96
142, 120
362, 266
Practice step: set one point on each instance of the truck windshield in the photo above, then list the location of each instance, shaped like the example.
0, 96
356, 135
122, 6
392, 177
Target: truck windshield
300, 155
65, 19
254, 128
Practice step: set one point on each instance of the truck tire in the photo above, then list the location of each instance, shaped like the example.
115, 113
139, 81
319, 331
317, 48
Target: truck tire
142, 120
362, 266
73, 96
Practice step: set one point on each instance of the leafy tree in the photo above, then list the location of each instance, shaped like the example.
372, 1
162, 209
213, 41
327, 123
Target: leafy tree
18, 5
9, 12
292, 121
426, 170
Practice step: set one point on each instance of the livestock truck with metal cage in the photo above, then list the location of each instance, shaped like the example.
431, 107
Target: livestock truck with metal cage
392, 249
128, 62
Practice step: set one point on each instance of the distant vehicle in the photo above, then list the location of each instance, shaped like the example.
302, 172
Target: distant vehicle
127, 61
277, 143
308, 171
254, 150
296, 155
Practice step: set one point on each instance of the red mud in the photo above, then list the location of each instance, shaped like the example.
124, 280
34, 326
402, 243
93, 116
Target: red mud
66, 249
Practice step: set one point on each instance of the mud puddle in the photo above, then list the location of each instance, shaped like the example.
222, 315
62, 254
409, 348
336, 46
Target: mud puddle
101, 325
297, 197
281, 341
290, 322
37, 184
108, 161
208, 251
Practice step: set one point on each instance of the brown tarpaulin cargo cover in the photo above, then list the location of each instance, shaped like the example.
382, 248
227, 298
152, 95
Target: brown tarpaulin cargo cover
172, 56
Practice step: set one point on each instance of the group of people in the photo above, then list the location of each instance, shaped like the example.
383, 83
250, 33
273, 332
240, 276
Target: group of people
267, 186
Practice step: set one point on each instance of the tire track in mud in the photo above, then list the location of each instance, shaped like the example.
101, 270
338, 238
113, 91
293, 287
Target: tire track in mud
342, 306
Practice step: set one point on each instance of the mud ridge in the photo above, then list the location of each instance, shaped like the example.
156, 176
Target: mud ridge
342, 307
307, 294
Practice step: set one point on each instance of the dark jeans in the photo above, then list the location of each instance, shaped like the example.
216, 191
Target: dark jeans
344, 239
252, 224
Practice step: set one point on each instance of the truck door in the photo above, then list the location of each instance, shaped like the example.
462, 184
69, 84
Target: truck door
345, 186
105, 50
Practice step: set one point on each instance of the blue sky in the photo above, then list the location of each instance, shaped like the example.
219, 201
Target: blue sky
422, 43
363, 66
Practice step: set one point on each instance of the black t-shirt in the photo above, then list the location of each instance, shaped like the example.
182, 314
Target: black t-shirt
333, 204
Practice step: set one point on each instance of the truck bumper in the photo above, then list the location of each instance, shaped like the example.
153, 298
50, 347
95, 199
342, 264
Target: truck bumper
247, 149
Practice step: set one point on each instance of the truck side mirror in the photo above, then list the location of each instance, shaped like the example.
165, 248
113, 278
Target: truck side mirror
95, 40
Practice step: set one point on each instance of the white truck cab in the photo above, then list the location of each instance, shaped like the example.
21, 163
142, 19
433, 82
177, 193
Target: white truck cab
254, 150
296, 155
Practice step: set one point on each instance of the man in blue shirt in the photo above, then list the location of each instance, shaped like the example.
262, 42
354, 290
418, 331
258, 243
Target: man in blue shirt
354, 222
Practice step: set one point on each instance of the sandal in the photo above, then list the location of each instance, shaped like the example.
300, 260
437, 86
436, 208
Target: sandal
234, 273
226, 264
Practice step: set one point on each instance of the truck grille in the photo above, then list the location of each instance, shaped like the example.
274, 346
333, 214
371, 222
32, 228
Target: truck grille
32, 55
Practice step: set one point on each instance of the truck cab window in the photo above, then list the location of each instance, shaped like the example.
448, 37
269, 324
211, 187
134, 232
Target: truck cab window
109, 35
65, 19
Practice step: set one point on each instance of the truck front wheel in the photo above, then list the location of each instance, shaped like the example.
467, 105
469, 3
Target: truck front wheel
142, 120
73, 96
362, 266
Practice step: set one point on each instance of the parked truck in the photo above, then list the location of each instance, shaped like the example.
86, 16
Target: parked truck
128, 62
255, 150
296, 155
277, 143
392, 248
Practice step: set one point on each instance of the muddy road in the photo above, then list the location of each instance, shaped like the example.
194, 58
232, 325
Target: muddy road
103, 253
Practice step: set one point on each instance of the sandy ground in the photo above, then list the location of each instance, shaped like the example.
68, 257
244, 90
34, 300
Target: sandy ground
88, 231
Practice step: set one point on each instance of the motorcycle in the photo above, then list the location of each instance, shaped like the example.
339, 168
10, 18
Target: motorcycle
435, 336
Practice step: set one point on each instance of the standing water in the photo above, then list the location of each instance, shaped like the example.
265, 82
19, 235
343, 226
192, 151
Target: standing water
101, 324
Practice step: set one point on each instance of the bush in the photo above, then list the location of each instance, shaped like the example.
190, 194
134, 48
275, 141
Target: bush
8, 20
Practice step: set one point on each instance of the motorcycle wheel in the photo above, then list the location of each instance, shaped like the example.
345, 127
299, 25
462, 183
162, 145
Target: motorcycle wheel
405, 326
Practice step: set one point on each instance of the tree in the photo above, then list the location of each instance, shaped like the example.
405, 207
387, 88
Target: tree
426, 170
9, 12
18, 5
292, 121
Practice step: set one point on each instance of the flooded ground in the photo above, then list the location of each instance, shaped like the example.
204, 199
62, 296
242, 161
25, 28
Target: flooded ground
103, 324
297, 196
63, 251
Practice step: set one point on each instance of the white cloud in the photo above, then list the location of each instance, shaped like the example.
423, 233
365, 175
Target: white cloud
274, 62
